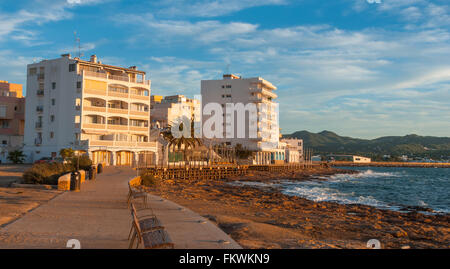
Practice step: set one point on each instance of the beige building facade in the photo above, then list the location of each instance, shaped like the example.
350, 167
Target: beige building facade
12, 121
169, 110
100, 109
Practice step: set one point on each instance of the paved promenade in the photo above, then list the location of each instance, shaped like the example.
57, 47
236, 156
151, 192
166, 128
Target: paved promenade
99, 218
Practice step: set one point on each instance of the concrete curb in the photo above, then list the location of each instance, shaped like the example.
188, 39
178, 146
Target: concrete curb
34, 186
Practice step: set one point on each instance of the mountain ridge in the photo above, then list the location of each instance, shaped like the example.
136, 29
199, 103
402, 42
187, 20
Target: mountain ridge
328, 142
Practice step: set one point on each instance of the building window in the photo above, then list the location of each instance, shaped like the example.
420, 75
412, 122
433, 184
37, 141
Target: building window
32, 71
5, 124
4, 142
52, 118
78, 84
72, 67
52, 134
228, 86
53, 85
53, 101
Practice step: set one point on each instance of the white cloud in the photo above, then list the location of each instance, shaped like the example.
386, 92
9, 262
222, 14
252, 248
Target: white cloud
204, 8
18, 23
209, 31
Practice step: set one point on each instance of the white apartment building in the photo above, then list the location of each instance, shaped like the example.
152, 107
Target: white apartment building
99, 109
171, 109
233, 89
294, 150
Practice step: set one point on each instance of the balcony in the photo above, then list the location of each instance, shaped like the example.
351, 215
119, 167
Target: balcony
94, 126
140, 97
101, 109
38, 125
118, 127
39, 109
114, 77
118, 111
40, 76
138, 129
264, 92
255, 99
95, 74
119, 78
117, 94
139, 113
95, 92
125, 144
40, 92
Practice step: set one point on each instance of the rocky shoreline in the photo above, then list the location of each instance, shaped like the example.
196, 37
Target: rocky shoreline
266, 218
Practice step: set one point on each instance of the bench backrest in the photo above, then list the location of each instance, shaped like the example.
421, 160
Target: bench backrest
136, 223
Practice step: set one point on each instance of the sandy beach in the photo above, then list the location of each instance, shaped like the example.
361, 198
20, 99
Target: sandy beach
266, 218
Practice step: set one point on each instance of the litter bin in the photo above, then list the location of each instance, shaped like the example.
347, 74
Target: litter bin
91, 172
75, 181
99, 168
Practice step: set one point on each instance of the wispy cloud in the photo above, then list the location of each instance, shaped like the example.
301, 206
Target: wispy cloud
207, 32
204, 8
18, 23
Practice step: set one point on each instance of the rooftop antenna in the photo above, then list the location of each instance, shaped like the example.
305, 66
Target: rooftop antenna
77, 44
228, 69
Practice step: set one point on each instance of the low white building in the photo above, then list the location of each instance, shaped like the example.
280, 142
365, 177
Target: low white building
294, 150
360, 159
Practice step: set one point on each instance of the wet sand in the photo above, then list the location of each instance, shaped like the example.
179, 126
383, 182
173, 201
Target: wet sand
265, 218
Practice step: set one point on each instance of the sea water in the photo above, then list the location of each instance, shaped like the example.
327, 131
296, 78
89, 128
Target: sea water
382, 187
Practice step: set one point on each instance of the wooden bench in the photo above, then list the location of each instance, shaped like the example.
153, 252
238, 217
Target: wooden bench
146, 221
133, 193
152, 236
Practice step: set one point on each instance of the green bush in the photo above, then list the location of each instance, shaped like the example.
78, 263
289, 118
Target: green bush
46, 173
84, 164
150, 180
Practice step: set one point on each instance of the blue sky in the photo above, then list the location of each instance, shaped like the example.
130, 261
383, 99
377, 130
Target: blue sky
356, 68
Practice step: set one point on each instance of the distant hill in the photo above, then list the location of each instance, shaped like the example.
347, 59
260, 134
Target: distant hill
412, 145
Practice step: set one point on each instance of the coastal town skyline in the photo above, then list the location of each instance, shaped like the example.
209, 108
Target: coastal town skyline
384, 75
237, 126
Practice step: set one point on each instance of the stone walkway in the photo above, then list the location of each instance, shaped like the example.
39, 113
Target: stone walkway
98, 217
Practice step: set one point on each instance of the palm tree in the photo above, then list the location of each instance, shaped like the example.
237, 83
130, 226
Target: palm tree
182, 142
16, 156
